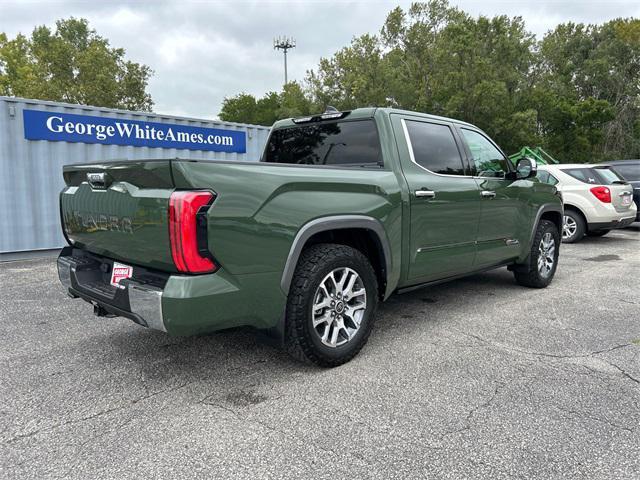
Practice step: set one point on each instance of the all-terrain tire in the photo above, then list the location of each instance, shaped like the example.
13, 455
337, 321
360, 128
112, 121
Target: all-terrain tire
302, 340
537, 275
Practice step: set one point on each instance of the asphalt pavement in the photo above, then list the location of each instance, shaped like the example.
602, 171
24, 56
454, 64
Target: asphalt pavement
479, 378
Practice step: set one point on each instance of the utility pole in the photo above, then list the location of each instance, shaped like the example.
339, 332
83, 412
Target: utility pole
284, 44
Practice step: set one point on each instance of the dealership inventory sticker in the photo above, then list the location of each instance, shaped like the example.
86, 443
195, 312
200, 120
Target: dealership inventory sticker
119, 272
68, 127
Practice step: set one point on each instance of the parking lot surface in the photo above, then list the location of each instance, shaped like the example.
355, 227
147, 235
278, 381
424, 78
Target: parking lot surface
478, 378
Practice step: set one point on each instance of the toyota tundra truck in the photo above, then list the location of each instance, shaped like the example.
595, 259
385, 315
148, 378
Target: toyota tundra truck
343, 210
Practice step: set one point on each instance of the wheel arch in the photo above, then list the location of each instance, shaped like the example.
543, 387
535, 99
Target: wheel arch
553, 216
548, 211
361, 232
575, 208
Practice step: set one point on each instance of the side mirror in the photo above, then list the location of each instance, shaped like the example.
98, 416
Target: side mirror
526, 168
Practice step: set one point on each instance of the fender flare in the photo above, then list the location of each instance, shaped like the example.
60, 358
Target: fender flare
547, 207
334, 222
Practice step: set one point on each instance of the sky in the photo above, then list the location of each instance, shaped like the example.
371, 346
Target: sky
202, 51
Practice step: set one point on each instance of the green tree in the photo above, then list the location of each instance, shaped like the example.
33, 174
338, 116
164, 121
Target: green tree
293, 102
241, 108
435, 58
72, 64
245, 108
266, 109
356, 76
591, 74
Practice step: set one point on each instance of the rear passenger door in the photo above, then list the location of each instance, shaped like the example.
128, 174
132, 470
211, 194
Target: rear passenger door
444, 199
498, 228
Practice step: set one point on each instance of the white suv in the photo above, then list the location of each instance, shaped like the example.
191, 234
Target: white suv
596, 199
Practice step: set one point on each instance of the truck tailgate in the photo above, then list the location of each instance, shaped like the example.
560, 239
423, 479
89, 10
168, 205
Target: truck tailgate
120, 210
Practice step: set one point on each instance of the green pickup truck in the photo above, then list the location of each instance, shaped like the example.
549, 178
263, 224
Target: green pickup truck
343, 210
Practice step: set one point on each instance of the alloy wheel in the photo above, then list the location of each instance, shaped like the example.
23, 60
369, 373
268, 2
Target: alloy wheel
546, 254
569, 227
339, 306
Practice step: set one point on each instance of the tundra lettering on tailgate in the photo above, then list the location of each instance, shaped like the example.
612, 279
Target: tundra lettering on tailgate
77, 222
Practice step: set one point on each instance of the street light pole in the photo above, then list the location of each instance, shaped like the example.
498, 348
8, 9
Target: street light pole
284, 44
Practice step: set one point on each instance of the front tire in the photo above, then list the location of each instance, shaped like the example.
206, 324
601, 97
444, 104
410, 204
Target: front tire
331, 305
543, 259
573, 227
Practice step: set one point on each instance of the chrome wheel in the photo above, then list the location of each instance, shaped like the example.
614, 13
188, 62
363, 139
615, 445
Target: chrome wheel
569, 227
546, 254
339, 305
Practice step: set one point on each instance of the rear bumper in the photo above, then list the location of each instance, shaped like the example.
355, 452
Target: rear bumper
623, 222
176, 304
138, 301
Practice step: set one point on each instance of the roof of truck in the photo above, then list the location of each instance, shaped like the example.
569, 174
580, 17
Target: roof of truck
563, 166
369, 112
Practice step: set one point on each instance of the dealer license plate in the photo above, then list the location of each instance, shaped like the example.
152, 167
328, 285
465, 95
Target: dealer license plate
119, 272
626, 200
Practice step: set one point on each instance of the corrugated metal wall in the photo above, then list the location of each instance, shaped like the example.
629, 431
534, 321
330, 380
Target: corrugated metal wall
31, 171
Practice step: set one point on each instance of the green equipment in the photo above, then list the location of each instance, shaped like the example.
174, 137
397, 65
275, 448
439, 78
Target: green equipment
537, 153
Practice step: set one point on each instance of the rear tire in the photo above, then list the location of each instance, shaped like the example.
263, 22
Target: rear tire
597, 233
331, 305
543, 259
573, 227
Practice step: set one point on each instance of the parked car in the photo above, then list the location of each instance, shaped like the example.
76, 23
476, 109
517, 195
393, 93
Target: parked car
345, 209
630, 170
596, 199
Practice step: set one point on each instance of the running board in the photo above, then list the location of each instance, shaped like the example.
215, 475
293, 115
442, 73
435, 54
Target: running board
411, 288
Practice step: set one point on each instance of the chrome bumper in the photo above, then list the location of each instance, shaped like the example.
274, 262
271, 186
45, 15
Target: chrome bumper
138, 301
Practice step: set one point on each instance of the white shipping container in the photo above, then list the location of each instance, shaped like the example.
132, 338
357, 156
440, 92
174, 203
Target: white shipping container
31, 170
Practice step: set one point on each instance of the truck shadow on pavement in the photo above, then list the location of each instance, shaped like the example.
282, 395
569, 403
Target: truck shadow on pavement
239, 360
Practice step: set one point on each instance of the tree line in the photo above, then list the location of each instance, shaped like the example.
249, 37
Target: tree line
576, 92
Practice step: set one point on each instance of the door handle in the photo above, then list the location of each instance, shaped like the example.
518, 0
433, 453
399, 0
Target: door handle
425, 193
488, 193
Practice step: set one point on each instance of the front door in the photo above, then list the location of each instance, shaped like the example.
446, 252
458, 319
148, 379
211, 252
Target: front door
444, 203
498, 230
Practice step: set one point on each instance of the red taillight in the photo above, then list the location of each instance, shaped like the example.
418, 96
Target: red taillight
187, 235
602, 193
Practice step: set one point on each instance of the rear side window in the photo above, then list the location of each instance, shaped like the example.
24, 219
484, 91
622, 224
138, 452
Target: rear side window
487, 159
546, 177
434, 148
336, 143
630, 172
595, 176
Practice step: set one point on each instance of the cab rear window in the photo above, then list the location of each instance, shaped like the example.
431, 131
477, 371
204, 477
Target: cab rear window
346, 143
595, 176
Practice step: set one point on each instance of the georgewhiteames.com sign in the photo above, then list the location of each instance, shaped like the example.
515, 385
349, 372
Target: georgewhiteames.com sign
66, 127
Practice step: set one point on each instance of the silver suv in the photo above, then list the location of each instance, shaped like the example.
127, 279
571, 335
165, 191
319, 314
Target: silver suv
596, 199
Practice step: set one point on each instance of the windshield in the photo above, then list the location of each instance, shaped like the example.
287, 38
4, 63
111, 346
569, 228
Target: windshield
328, 143
595, 175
